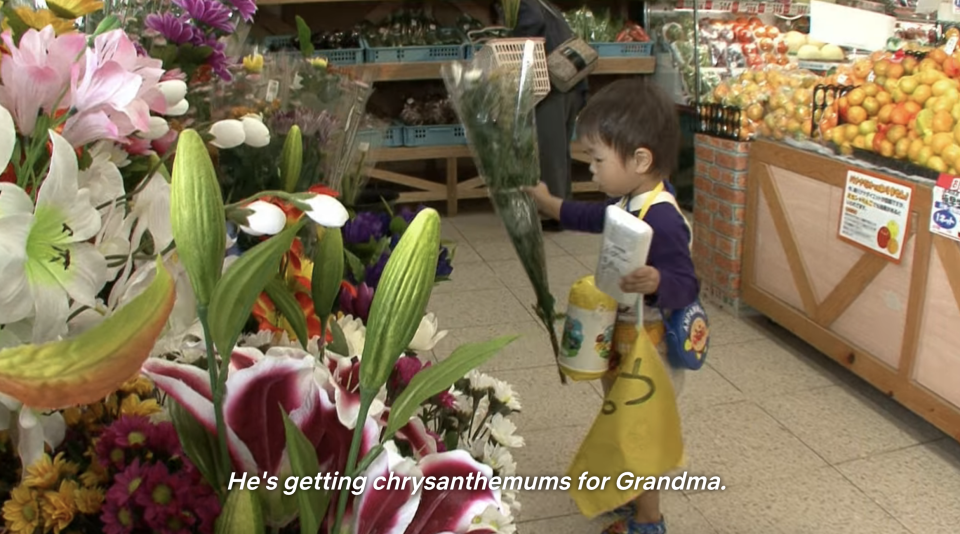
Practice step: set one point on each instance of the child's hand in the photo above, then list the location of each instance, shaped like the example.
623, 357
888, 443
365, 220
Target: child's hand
539, 192
644, 280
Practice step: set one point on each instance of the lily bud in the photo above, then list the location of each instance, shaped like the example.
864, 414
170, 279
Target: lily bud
266, 219
327, 211
173, 91
180, 108
227, 133
255, 132
158, 129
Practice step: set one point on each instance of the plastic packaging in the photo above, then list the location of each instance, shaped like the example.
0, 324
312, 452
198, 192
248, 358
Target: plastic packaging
626, 243
587, 341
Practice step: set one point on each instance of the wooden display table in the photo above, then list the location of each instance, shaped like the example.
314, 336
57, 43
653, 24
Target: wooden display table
894, 325
453, 189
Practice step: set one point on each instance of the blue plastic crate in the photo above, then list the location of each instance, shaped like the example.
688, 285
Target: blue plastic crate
340, 56
452, 135
623, 49
471, 49
413, 54
392, 137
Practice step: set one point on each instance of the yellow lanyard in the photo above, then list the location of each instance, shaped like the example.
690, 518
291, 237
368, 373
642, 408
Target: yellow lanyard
647, 203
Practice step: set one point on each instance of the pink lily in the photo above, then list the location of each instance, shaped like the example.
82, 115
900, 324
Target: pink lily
415, 434
36, 73
344, 384
384, 509
256, 389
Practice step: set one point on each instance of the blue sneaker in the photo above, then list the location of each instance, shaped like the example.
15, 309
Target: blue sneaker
631, 526
622, 513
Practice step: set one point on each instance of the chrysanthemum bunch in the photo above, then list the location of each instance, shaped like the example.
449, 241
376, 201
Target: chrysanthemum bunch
65, 489
154, 487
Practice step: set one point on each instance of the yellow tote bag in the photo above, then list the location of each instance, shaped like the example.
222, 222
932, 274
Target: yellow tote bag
637, 432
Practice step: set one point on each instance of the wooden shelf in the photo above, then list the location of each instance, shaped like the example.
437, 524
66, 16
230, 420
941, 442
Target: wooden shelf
395, 72
453, 190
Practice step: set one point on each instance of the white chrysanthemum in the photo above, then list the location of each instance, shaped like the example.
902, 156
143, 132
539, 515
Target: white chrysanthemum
499, 459
493, 519
480, 381
504, 393
510, 501
502, 431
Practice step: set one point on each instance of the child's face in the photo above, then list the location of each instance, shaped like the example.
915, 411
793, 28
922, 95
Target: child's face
615, 178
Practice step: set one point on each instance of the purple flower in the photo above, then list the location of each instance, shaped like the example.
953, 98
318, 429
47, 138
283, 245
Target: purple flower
119, 515
209, 12
374, 272
174, 29
246, 8
127, 434
361, 229
356, 301
164, 499
403, 372
444, 267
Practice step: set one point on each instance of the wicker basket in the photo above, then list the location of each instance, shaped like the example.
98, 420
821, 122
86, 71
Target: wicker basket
510, 52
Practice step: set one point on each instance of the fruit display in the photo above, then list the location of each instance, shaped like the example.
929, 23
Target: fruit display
897, 106
604, 28
924, 34
410, 27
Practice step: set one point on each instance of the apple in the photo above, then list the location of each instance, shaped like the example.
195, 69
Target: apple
883, 237
744, 35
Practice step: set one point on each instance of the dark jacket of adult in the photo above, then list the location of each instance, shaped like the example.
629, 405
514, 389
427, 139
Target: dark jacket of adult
537, 18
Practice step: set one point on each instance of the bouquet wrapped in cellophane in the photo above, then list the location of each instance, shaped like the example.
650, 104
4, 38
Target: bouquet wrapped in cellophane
495, 102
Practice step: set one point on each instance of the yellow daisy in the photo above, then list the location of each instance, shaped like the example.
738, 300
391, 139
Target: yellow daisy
42, 18
89, 500
95, 475
132, 405
59, 507
74, 9
73, 416
139, 385
22, 511
45, 473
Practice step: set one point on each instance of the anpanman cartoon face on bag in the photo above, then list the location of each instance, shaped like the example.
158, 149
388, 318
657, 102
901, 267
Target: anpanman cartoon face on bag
698, 336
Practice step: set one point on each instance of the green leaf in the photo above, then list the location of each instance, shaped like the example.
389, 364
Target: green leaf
288, 306
237, 291
339, 343
303, 34
241, 514
199, 444
438, 378
327, 272
356, 266
313, 503
110, 23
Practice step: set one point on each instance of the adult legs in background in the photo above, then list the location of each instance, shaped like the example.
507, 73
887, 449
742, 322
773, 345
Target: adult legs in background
556, 116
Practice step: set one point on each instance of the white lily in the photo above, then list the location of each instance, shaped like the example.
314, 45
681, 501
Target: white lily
44, 255
7, 142
266, 219
102, 177
256, 133
32, 428
227, 133
326, 211
427, 335
355, 334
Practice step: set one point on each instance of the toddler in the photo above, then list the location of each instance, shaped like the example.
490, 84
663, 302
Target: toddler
632, 134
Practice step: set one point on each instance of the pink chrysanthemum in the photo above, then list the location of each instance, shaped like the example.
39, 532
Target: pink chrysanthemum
162, 500
164, 440
119, 515
205, 504
120, 438
446, 400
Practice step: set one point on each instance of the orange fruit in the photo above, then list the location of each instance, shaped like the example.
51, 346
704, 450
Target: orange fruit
856, 115
871, 89
900, 115
908, 85
939, 142
871, 105
896, 133
850, 132
886, 149
923, 155
885, 112
880, 68
950, 155
755, 112
912, 107
928, 65
922, 94
909, 65
856, 96
913, 151
938, 55
895, 71
942, 122
935, 163
884, 98
901, 149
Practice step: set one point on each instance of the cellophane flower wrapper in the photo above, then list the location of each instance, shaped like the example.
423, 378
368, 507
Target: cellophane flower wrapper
496, 105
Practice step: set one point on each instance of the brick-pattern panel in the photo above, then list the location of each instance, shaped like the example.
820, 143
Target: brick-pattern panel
720, 196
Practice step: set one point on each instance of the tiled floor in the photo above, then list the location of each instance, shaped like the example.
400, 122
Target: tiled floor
802, 445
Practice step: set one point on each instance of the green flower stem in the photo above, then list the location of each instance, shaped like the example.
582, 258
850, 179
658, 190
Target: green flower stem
366, 399
143, 183
292, 197
215, 384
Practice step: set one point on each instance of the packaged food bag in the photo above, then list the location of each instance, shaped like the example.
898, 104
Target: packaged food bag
626, 243
637, 431
587, 341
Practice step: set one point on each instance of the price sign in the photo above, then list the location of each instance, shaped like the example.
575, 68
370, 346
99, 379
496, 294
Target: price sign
875, 214
945, 210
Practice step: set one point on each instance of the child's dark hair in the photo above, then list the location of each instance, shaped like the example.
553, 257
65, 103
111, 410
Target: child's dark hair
630, 114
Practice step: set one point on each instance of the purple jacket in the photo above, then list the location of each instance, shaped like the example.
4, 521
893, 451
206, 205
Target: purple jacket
669, 249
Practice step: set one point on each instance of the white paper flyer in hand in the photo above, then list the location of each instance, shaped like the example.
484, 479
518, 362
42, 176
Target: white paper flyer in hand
626, 243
